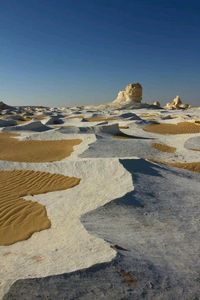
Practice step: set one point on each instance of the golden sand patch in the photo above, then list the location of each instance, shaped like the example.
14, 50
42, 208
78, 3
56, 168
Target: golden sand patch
6, 135
76, 117
192, 166
164, 148
19, 218
39, 117
166, 128
26, 120
101, 119
34, 151
194, 149
149, 114
124, 127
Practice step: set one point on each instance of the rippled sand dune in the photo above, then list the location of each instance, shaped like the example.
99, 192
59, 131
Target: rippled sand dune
20, 218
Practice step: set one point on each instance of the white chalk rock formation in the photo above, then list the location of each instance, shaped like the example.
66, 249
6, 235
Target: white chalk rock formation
176, 104
132, 94
156, 103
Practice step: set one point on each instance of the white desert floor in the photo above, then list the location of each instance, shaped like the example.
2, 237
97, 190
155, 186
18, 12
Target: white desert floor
67, 246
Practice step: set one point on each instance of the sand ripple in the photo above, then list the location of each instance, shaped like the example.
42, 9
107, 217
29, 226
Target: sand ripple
19, 218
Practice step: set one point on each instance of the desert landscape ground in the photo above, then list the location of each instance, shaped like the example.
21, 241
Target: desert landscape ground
100, 202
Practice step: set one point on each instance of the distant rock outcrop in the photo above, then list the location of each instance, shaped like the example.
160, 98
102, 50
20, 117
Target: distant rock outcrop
156, 103
176, 104
4, 106
132, 94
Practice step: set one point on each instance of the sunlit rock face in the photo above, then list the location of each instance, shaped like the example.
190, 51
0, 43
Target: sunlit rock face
176, 103
131, 94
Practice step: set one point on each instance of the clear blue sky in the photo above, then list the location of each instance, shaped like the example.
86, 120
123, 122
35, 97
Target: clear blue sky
83, 51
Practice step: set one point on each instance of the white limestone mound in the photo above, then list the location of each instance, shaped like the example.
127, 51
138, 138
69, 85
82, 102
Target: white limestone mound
146, 122
112, 129
54, 120
166, 117
6, 123
129, 116
193, 143
69, 130
32, 126
28, 114
107, 129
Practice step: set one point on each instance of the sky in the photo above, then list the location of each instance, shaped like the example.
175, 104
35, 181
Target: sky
76, 52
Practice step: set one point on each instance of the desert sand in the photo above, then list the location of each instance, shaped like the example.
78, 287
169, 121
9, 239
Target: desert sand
179, 128
13, 149
100, 119
20, 218
192, 166
101, 196
164, 148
